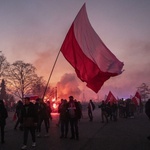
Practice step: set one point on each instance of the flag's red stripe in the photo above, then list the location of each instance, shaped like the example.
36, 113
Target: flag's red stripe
85, 68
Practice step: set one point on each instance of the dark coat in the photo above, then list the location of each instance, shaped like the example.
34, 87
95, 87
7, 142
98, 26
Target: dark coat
3, 115
19, 108
42, 110
74, 113
89, 106
63, 111
103, 107
29, 115
147, 108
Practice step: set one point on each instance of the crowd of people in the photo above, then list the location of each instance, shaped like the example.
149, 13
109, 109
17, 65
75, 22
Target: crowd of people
122, 109
29, 116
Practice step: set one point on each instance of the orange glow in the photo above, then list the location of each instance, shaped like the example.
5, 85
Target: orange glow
53, 100
54, 106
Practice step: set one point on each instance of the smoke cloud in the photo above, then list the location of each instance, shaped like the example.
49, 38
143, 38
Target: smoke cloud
68, 85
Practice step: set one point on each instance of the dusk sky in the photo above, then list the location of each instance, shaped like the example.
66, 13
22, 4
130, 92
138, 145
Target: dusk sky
34, 30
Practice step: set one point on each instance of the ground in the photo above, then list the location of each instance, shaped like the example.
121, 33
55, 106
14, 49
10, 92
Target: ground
125, 134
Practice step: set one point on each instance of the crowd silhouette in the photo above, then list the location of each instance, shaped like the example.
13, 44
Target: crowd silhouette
29, 116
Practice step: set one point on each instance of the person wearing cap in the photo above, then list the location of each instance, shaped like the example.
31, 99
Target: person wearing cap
29, 121
74, 113
3, 116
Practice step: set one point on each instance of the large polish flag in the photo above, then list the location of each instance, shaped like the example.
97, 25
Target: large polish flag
93, 62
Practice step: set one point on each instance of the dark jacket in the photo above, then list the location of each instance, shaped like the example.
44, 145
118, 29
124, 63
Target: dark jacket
74, 110
42, 110
19, 108
147, 108
3, 114
103, 106
91, 106
29, 115
63, 111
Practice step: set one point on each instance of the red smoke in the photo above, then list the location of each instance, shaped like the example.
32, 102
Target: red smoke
67, 86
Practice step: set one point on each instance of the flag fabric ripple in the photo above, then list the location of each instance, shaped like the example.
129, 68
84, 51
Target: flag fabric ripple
110, 98
93, 62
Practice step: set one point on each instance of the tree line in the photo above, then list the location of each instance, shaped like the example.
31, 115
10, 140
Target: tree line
19, 79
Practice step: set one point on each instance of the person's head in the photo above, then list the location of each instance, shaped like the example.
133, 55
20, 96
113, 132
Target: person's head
37, 100
65, 101
70, 98
20, 102
27, 100
62, 100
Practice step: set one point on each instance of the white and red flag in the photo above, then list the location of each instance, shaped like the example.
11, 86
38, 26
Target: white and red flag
138, 98
137, 94
93, 62
134, 100
110, 98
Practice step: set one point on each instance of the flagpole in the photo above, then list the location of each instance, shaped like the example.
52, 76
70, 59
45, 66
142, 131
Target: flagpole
51, 74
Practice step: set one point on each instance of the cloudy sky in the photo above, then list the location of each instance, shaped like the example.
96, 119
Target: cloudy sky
33, 31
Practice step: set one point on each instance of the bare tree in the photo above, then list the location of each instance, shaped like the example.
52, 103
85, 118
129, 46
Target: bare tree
4, 65
20, 78
39, 87
144, 91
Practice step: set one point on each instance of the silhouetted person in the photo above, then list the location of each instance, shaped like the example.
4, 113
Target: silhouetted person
147, 111
29, 121
74, 113
19, 107
64, 120
91, 107
3, 116
114, 109
42, 116
104, 112
132, 109
49, 111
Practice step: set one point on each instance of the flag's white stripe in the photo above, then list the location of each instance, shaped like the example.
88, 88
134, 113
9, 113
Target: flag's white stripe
92, 45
